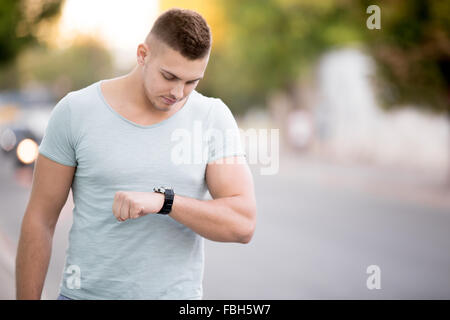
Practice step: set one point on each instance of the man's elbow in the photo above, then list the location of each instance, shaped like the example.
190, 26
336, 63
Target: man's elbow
246, 238
246, 234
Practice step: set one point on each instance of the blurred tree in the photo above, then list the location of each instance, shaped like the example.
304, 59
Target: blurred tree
262, 47
19, 24
266, 46
270, 44
412, 54
412, 51
64, 70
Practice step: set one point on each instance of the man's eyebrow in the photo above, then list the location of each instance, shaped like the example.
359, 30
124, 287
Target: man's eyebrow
170, 73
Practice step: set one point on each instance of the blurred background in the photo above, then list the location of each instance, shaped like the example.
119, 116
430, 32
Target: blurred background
364, 125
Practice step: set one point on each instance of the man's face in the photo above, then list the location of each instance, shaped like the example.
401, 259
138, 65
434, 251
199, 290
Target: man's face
168, 77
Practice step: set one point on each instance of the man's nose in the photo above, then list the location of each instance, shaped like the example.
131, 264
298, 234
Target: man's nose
177, 91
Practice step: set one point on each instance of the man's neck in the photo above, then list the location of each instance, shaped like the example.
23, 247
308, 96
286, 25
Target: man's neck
131, 88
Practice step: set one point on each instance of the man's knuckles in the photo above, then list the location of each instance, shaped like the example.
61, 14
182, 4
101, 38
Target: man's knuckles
129, 209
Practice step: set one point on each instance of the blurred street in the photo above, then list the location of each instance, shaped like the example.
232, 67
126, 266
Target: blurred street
353, 98
320, 225
14, 195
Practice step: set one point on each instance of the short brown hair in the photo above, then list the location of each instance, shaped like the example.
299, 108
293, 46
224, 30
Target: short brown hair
184, 31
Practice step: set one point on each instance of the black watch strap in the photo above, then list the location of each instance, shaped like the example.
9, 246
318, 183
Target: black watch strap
168, 201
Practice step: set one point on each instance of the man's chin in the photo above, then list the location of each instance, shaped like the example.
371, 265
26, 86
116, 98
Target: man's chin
163, 108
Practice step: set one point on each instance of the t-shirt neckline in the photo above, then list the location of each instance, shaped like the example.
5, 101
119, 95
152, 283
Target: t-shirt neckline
163, 122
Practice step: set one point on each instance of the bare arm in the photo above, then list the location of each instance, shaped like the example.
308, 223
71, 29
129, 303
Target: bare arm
231, 215
51, 186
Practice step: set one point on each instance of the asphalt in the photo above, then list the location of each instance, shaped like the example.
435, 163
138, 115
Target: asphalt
320, 226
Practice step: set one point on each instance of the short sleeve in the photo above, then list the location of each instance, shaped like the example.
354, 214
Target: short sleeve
224, 138
57, 143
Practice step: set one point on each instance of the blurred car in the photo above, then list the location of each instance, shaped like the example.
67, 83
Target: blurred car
20, 144
23, 118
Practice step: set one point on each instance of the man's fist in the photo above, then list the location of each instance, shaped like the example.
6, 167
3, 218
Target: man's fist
132, 205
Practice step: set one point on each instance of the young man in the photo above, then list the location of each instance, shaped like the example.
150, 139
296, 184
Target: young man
141, 214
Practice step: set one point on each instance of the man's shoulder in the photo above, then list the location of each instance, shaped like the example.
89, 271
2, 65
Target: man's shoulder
81, 100
209, 104
77, 104
201, 98
87, 91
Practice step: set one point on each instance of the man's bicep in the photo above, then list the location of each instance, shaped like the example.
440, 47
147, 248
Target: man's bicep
229, 179
50, 189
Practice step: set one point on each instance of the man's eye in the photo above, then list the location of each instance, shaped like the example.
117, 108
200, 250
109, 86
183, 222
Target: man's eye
168, 78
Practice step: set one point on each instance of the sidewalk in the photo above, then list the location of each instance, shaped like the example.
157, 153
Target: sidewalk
397, 183
7, 266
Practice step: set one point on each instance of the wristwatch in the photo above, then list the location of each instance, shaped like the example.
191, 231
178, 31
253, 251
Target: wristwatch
168, 199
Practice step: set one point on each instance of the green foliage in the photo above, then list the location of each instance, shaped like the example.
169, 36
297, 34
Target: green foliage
271, 43
70, 69
412, 51
23, 59
19, 20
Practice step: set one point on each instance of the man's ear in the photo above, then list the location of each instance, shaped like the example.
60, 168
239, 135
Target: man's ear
142, 53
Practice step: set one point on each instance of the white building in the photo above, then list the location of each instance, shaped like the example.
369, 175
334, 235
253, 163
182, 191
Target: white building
350, 125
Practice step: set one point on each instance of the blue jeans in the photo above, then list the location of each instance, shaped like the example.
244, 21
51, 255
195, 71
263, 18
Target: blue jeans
61, 297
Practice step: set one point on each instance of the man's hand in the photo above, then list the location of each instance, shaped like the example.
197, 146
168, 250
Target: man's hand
132, 205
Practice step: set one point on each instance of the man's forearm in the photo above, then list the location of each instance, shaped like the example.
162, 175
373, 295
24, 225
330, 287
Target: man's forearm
229, 219
33, 257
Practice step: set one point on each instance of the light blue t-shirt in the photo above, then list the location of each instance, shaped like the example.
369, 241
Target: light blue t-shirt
154, 256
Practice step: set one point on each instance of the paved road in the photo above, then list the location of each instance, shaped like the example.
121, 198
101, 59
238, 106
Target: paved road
319, 227
14, 195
